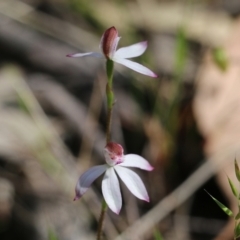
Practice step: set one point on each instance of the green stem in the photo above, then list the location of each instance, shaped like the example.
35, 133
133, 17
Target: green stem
110, 98
110, 103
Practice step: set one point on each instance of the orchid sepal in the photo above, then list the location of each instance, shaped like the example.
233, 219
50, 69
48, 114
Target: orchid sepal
87, 178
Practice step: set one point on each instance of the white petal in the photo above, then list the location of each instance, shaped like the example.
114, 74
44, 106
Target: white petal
134, 50
111, 190
133, 160
87, 178
90, 54
101, 42
133, 182
135, 66
114, 47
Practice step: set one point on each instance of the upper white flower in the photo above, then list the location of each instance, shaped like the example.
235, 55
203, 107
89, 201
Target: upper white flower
116, 163
108, 45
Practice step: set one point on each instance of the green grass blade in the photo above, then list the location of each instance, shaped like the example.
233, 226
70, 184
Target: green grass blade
52, 235
237, 217
237, 171
220, 58
223, 207
234, 190
237, 231
181, 52
157, 235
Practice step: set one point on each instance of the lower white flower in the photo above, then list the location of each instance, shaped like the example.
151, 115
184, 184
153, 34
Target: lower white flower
116, 162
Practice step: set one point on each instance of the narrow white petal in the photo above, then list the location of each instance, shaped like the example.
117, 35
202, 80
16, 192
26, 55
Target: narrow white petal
90, 54
135, 66
133, 182
101, 42
87, 178
133, 160
114, 47
111, 190
134, 50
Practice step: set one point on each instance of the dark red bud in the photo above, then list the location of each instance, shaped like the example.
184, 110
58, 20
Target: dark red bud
109, 40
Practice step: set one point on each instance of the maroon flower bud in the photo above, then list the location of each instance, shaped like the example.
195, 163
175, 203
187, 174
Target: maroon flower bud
109, 42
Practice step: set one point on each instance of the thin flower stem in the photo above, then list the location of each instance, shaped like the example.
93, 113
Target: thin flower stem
109, 121
101, 220
110, 103
110, 98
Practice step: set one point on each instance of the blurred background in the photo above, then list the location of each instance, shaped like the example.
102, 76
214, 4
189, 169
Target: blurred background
53, 116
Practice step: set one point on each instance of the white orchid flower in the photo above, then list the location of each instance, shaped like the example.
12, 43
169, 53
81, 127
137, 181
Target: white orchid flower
116, 162
108, 45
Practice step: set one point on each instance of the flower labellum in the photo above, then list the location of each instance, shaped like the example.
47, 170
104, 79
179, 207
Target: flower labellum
108, 45
116, 164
